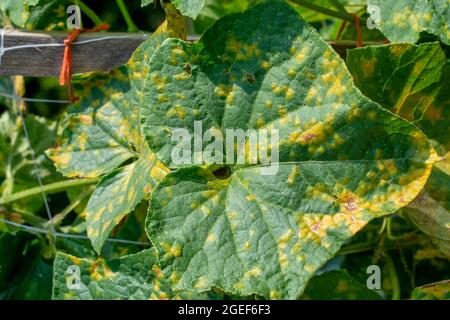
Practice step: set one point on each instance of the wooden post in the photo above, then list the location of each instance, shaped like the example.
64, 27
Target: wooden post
95, 56
44, 62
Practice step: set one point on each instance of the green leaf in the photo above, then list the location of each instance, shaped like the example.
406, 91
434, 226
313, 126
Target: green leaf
413, 81
432, 217
337, 285
117, 194
49, 15
146, 2
18, 10
215, 9
343, 159
433, 291
132, 277
102, 132
98, 134
32, 276
17, 167
407, 79
404, 20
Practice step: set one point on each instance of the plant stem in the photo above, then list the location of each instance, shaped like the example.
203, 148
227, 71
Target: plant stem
332, 13
88, 11
49, 188
126, 15
393, 277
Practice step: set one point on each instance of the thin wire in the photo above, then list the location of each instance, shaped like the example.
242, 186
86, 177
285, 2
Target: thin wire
70, 236
37, 169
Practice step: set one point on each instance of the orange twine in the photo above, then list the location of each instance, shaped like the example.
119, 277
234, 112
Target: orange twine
65, 77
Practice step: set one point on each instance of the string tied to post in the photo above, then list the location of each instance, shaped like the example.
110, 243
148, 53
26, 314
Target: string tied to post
65, 77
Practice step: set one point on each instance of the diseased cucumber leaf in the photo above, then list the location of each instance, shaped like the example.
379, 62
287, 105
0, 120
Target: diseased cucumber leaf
337, 285
433, 291
101, 133
343, 159
36, 14
413, 81
404, 20
133, 277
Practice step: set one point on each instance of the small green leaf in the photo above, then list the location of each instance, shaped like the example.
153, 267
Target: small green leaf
343, 160
404, 20
433, 291
337, 285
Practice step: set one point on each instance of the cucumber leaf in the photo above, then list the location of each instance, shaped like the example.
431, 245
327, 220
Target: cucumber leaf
413, 81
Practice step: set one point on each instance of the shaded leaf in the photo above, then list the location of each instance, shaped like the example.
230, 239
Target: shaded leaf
18, 10
102, 132
343, 159
413, 81
404, 20
189, 8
